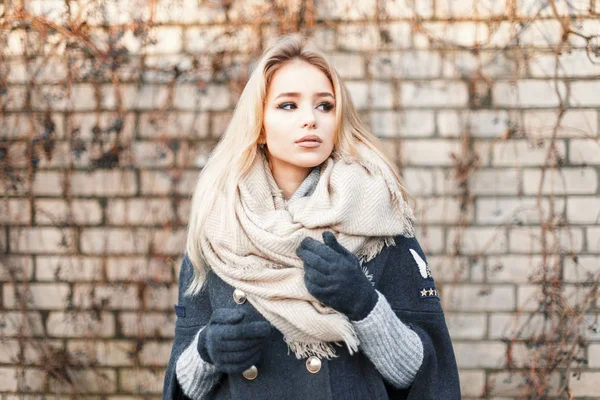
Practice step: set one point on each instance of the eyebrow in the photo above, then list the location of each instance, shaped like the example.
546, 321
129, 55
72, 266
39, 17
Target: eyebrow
296, 94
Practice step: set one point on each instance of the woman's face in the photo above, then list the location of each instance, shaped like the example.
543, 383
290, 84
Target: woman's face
300, 101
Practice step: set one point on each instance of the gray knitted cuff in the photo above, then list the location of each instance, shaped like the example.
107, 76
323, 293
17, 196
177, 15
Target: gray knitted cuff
394, 348
196, 376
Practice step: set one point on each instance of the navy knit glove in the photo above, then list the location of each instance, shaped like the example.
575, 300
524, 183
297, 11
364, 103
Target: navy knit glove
231, 344
333, 275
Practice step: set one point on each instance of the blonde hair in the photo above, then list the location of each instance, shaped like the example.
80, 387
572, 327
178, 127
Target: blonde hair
238, 146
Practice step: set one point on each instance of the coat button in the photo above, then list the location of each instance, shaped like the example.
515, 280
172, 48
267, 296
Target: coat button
239, 296
251, 373
313, 364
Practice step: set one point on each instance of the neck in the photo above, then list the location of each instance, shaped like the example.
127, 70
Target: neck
288, 176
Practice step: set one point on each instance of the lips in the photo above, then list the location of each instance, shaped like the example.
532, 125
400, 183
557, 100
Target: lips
309, 138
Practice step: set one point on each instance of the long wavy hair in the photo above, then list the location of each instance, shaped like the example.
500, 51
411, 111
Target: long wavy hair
238, 146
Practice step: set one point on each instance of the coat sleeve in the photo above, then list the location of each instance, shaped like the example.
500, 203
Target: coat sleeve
192, 314
407, 284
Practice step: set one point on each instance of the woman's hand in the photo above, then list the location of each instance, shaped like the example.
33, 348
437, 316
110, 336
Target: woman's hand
231, 344
333, 275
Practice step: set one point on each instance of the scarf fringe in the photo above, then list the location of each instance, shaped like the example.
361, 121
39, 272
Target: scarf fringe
323, 349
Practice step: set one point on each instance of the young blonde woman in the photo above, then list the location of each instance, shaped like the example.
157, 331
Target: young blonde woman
302, 277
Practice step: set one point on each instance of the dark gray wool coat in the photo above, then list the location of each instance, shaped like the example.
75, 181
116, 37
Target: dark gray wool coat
281, 376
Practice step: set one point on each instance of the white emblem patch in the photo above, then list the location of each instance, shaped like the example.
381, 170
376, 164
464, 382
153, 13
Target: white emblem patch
422, 264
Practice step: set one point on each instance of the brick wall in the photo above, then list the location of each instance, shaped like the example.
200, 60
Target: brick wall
489, 107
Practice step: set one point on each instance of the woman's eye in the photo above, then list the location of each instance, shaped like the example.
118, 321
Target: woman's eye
326, 106
287, 106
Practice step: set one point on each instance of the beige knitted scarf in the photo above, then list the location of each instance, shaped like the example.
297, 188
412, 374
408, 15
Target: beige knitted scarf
358, 200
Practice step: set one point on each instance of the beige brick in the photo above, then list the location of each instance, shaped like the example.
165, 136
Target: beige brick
153, 154
140, 269
564, 181
416, 123
434, 93
575, 63
115, 240
44, 296
114, 353
385, 124
524, 153
104, 183
155, 353
348, 66
529, 298
108, 297
81, 97
583, 93
403, 9
160, 297
213, 98
516, 326
541, 33
480, 355
147, 324
15, 99
42, 240
359, 92
381, 94
466, 326
528, 239
169, 40
441, 210
145, 97
15, 211
469, 297
168, 241
484, 123
515, 384
594, 355
455, 34
593, 240
80, 324
140, 212
84, 122
357, 37
405, 64
19, 324
450, 269
520, 210
188, 11
19, 268
416, 152
34, 350
431, 239
585, 270
48, 183
585, 384
346, 10
417, 181
575, 123
513, 269
162, 182
215, 39
527, 93
473, 240
584, 152
472, 383
174, 125
55, 212
143, 381
66, 268
446, 9
8, 379
96, 380
530, 8
583, 210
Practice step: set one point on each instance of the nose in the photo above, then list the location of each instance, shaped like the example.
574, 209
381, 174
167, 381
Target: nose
308, 120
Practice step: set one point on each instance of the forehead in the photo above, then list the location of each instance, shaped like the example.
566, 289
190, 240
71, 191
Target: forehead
301, 77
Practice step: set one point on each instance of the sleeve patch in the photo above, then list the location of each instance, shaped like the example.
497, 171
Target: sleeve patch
179, 310
428, 292
423, 267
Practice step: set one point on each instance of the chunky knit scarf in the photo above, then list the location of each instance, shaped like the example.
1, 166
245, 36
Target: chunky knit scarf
358, 200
